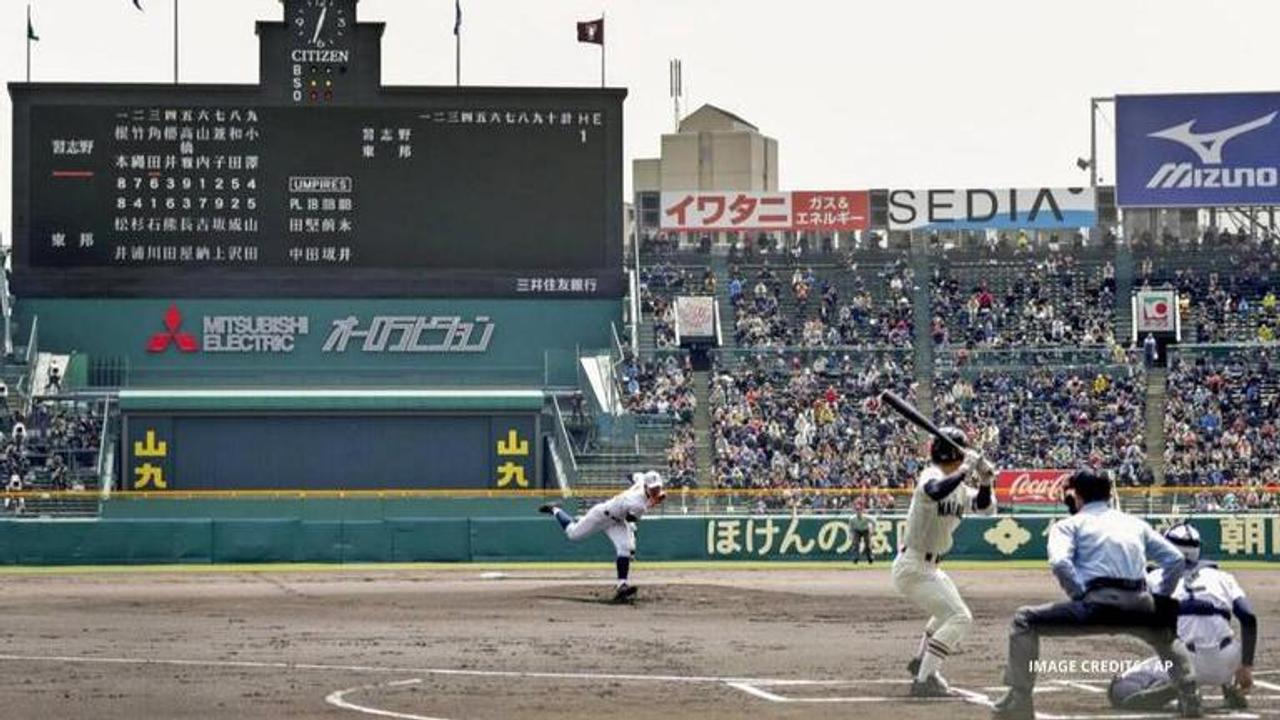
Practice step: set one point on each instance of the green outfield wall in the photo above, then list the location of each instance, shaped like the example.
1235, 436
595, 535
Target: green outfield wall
422, 530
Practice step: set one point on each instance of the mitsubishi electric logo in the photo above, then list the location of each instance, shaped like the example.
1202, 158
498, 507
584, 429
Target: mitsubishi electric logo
172, 335
1208, 148
232, 333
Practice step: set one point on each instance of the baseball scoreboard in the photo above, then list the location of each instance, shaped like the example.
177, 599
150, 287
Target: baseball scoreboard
317, 181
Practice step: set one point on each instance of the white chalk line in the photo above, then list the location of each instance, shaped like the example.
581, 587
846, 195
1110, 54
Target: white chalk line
1267, 685
338, 699
738, 683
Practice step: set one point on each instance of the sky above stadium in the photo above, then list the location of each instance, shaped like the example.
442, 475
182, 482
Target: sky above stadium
900, 93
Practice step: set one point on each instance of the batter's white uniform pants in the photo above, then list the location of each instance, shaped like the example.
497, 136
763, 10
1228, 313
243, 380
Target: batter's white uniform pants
618, 531
1214, 665
928, 588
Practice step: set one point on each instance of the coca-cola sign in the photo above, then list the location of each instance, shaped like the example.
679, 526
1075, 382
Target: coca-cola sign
1030, 487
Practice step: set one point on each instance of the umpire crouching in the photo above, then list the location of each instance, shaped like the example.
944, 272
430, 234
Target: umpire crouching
1099, 556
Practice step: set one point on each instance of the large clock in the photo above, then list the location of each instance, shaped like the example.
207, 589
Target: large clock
321, 24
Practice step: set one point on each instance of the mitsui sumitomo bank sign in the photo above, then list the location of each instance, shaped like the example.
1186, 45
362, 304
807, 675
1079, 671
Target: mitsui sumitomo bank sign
182, 333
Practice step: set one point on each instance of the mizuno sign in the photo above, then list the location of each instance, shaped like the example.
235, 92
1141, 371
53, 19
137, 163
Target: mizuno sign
1197, 150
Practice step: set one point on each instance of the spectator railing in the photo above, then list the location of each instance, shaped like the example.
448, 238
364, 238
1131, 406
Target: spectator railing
1015, 358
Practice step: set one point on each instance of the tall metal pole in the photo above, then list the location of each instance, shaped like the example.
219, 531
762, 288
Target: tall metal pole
603, 40
28, 42
1093, 142
175, 42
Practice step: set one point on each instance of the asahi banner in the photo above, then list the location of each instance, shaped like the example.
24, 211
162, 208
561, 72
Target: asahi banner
992, 209
1030, 487
1207, 150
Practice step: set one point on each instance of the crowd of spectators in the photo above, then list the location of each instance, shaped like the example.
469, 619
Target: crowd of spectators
1228, 295
837, 308
1052, 417
1051, 300
810, 420
56, 448
662, 387
1221, 421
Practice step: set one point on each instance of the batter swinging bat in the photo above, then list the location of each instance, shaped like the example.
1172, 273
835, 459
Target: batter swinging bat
909, 411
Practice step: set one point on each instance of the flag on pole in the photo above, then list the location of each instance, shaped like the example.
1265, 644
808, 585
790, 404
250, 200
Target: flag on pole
137, 4
591, 31
31, 31
457, 17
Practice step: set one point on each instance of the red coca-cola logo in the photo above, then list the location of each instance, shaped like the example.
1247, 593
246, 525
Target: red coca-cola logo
1038, 487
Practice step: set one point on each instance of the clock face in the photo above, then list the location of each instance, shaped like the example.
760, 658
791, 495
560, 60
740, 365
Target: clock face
321, 24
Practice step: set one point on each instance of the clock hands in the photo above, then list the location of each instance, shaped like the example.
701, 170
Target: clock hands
324, 11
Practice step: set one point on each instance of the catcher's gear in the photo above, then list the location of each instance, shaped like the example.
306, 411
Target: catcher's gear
1187, 539
941, 451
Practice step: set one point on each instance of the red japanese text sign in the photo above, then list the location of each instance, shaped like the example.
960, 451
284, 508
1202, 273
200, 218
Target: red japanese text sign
839, 210
693, 211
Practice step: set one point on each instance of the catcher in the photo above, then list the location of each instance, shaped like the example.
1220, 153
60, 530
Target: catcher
1207, 598
616, 518
940, 500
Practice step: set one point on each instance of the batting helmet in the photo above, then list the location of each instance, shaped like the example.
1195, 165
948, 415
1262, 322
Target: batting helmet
1186, 539
942, 452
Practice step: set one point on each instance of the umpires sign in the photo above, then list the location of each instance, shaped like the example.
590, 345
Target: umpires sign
1202, 150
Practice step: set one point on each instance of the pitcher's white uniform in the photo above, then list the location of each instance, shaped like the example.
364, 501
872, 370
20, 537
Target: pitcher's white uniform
611, 518
1215, 651
928, 537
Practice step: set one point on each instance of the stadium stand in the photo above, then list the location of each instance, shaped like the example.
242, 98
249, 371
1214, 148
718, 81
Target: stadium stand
1222, 419
809, 420
1053, 299
1051, 417
1226, 283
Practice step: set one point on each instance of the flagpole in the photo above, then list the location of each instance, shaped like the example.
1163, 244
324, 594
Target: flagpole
457, 43
603, 39
28, 42
175, 42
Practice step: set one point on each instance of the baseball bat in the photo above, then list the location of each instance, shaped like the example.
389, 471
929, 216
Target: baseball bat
915, 417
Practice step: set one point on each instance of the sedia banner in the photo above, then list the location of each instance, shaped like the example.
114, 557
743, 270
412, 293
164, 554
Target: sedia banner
992, 209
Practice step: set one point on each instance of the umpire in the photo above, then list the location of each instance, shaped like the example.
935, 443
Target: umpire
1098, 556
860, 529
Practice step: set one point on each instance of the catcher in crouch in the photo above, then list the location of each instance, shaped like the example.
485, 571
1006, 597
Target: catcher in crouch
940, 500
616, 518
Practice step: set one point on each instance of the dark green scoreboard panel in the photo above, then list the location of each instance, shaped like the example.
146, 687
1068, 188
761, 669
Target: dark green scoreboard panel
173, 452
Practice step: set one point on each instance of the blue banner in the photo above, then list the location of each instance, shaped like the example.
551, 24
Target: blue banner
1198, 150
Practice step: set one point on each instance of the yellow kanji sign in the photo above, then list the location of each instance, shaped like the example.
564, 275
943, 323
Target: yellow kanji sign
149, 475
513, 445
152, 447
510, 472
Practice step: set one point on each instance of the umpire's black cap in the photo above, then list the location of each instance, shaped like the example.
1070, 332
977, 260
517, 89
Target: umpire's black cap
1090, 485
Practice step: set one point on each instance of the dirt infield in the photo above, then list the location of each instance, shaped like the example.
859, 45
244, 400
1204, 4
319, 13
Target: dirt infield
467, 644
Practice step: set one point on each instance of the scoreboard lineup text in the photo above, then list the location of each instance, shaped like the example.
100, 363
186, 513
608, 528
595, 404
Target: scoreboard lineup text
501, 194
